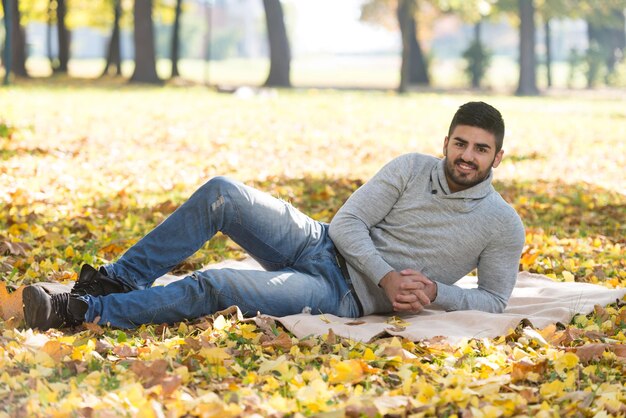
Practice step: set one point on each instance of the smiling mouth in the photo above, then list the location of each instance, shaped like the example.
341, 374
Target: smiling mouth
465, 167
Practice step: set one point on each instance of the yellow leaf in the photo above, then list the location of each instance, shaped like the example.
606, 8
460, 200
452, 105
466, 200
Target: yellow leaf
552, 389
214, 355
348, 371
368, 355
69, 252
567, 276
566, 361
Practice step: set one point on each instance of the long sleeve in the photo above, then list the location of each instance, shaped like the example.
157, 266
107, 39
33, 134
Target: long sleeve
497, 273
351, 227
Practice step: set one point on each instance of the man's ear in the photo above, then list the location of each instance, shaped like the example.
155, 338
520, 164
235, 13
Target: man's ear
445, 146
498, 159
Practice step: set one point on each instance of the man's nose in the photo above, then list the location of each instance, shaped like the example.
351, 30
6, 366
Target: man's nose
468, 154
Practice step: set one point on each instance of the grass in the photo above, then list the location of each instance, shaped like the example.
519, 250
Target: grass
87, 168
341, 71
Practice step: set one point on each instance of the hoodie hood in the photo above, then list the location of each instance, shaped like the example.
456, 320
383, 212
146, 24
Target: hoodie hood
468, 198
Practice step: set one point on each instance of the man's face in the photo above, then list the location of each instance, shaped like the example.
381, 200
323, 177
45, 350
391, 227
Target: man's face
470, 154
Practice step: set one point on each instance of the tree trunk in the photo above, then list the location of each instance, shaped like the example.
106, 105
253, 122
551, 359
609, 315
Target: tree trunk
50, 16
145, 57
413, 68
476, 74
280, 54
548, 51
114, 58
17, 60
63, 36
418, 70
610, 37
528, 77
175, 39
6, 52
405, 10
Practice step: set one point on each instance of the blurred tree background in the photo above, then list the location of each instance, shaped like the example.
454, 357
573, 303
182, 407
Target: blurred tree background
522, 46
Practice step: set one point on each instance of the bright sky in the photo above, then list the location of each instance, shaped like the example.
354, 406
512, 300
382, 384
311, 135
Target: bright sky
333, 26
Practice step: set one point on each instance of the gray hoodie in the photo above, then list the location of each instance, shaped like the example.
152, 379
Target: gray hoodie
406, 217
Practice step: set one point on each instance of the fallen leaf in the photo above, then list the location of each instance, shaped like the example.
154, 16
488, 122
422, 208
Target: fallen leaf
93, 327
124, 351
11, 305
356, 323
150, 373
521, 370
589, 352
57, 350
283, 341
14, 248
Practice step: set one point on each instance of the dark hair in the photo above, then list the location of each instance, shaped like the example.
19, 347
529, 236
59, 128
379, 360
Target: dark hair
480, 115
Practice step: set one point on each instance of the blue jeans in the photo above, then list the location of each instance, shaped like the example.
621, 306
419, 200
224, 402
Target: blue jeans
301, 268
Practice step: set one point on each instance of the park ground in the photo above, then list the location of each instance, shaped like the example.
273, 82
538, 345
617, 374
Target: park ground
87, 168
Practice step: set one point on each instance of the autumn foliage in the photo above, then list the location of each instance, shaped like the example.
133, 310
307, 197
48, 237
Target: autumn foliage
85, 172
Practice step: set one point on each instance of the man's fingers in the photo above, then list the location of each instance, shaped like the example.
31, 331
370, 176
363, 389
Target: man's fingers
423, 298
406, 298
412, 285
409, 297
407, 307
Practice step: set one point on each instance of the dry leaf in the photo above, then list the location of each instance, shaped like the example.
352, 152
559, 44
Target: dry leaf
11, 305
589, 352
283, 341
124, 351
521, 369
57, 350
150, 373
356, 322
93, 327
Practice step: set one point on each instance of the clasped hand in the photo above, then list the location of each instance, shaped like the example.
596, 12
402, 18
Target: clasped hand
408, 290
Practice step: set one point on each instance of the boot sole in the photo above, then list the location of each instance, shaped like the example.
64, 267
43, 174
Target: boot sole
33, 299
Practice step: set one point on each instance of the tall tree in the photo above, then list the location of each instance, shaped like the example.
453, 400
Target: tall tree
175, 49
114, 56
527, 61
416, 66
477, 55
145, 55
606, 28
280, 53
63, 36
18, 39
402, 14
548, 43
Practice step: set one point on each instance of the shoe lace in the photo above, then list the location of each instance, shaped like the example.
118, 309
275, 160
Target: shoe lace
61, 305
88, 286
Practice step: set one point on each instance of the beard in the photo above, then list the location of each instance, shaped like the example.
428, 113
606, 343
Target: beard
463, 180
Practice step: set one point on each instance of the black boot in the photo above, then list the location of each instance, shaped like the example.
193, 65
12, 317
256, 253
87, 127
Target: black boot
95, 283
44, 311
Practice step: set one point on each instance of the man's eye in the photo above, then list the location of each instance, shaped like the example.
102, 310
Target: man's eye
482, 150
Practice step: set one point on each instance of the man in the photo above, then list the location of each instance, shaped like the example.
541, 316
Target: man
399, 243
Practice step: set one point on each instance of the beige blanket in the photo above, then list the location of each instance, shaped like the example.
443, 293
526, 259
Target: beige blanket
536, 298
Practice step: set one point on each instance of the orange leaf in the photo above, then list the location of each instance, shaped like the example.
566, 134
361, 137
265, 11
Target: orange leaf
283, 341
11, 304
57, 350
521, 369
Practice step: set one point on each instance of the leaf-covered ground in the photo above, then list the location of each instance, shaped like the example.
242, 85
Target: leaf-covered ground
85, 171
